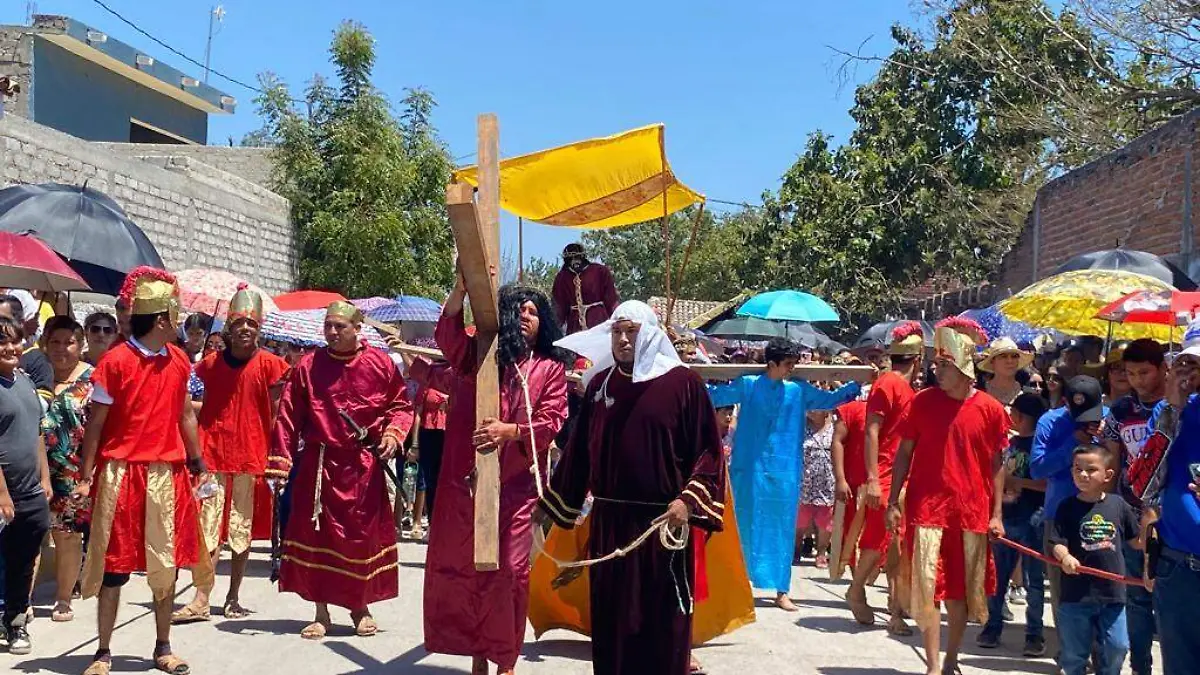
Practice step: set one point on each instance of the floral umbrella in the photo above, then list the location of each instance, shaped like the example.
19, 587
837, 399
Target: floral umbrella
1169, 308
1068, 302
306, 327
209, 291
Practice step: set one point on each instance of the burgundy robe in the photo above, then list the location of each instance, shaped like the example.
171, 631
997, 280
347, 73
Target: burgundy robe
599, 296
467, 612
657, 443
347, 556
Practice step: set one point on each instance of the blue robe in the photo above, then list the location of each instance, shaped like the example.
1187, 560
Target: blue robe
766, 466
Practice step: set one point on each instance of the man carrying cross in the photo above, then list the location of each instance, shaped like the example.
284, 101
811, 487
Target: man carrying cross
647, 447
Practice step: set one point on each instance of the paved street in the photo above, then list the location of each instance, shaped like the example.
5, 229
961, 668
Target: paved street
820, 639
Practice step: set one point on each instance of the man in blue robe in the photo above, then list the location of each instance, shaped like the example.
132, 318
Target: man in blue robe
766, 464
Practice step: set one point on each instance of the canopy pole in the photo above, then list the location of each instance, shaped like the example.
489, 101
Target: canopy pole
520, 250
666, 229
687, 256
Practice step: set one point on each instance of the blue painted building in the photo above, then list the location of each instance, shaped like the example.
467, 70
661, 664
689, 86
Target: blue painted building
81, 81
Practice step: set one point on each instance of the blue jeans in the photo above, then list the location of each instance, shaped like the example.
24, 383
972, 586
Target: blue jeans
1028, 533
1139, 612
1082, 624
1176, 597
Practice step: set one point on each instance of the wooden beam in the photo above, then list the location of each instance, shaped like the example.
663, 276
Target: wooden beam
479, 270
487, 324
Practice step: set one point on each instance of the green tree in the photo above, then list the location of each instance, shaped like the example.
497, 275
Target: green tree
637, 256
540, 274
366, 188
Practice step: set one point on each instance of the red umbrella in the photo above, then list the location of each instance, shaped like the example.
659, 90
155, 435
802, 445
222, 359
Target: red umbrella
1165, 308
306, 300
26, 262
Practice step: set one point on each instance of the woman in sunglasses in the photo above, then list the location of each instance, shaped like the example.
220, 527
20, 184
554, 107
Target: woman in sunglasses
101, 329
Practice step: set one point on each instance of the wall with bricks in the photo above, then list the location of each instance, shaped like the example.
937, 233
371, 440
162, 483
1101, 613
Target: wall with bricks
1139, 196
196, 214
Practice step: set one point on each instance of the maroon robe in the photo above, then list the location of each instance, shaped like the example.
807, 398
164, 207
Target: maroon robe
657, 443
598, 292
347, 556
471, 613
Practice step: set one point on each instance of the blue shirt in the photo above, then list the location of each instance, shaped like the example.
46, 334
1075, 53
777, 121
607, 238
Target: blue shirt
1053, 453
1179, 510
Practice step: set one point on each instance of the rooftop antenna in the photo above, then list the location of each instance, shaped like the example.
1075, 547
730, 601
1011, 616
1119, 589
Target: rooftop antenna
216, 18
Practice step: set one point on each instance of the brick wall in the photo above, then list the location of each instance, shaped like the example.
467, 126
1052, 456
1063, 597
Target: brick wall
196, 215
1140, 197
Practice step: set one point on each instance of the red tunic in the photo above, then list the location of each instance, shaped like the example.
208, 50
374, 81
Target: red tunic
344, 552
889, 399
472, 613
597, 290
142, 427
235, 421
854, 458
950, 480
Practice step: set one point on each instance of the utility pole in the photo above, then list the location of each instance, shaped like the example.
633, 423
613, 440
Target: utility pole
215, 16
30, 10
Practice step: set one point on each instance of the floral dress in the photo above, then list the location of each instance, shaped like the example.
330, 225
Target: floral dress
62, 431
817, 485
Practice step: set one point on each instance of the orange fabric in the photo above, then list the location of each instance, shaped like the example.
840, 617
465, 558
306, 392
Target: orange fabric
729, 604
956, 442
148, 393
890, 398
235, 420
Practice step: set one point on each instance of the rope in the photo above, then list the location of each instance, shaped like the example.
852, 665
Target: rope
1092, 571
318, 508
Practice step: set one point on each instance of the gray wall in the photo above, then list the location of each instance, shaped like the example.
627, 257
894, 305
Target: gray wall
196, 215
253, 164
16, 61
83, 99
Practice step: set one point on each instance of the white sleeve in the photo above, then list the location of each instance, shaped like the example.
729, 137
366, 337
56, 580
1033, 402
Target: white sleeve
100, 395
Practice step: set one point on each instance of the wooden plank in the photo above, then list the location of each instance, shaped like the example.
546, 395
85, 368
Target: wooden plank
478, 266
487, 379
817, 373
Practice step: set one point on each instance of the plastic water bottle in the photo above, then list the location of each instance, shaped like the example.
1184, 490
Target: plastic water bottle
208, 488
409, 482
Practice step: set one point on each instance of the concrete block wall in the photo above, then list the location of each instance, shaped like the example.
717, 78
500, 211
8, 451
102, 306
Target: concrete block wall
16, 61
196, 215
252, 164
1139, 196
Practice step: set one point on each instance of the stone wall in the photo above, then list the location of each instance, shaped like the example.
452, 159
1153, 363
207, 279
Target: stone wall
196, 215
16, 61
253, 164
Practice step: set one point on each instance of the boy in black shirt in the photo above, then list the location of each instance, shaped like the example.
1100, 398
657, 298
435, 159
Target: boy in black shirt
1090, 530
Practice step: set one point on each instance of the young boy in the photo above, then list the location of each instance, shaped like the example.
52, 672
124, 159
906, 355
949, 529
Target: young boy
1023, 524
1089, 530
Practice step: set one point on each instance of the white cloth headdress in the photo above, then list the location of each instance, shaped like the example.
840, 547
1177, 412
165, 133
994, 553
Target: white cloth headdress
654, 355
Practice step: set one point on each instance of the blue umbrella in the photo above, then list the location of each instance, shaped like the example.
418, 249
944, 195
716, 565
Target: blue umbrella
407, 308
788, 306
997, 326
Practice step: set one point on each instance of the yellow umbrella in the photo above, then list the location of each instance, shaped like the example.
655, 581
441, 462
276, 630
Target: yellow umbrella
1068, 302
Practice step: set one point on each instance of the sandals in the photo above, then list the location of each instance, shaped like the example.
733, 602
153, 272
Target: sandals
98, 667
860, 609
234, 610
171, 664
315, 630
364, 625
190, 614
62, 613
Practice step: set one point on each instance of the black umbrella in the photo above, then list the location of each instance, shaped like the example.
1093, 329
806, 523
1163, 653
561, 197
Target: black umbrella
880, 335
83, 225
748, 328
1131, 261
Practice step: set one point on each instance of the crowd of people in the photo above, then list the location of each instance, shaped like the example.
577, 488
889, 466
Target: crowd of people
143, 445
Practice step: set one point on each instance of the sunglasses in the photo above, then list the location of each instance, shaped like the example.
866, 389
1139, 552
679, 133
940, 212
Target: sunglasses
107, 330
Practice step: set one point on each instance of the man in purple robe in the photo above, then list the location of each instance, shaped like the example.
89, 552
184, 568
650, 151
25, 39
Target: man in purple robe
584, 292
647, 447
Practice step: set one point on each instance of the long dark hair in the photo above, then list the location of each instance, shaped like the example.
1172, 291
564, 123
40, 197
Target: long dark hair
511, 344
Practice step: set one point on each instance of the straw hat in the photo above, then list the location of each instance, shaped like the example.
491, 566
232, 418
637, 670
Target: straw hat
1000, 346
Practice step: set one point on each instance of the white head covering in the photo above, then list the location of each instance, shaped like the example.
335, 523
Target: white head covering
653, 356
28, 305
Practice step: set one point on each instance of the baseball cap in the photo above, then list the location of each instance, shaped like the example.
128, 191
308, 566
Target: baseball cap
1085, 399
1191, 340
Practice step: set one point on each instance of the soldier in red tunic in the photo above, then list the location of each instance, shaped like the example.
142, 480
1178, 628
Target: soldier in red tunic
584, 292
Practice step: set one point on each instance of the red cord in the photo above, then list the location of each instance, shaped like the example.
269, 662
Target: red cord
1131, 581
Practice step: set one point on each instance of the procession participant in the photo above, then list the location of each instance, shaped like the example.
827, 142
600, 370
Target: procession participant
585, 294
242, 386
887, 404
62, 428
467, 612
765, 467
24, 486
339, 546
849, 473
1125, 431
101, 329
140, 445
1002, 360
646, 442
951, 456
124, 316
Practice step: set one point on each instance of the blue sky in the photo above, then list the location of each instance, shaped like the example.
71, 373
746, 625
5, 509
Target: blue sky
738, 84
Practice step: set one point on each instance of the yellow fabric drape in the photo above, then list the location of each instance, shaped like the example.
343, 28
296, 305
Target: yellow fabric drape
598, 183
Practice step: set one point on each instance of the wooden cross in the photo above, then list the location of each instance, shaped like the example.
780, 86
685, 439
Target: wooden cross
475, 221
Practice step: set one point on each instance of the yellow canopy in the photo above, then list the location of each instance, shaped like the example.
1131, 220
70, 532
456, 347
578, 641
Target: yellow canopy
598, 183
